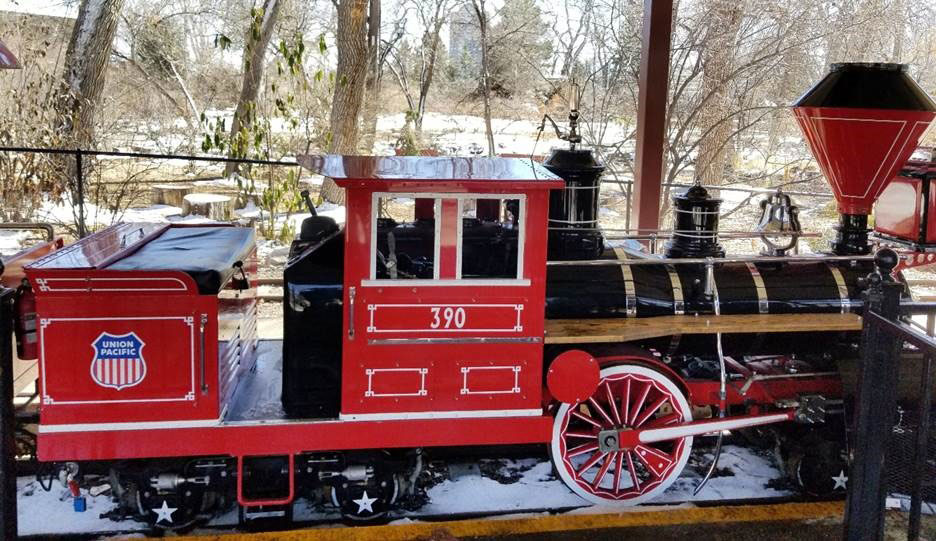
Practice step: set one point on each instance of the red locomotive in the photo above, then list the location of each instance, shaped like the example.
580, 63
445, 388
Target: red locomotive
466, 302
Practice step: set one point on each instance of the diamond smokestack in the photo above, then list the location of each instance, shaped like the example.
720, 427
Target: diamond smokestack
862, 122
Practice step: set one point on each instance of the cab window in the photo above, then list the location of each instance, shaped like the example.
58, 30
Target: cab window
406, 238
491, 237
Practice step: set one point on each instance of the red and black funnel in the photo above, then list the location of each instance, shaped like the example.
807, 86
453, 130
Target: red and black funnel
862, 123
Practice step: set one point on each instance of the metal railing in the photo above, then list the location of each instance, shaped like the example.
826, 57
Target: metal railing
627, 188
79, 154
886, 330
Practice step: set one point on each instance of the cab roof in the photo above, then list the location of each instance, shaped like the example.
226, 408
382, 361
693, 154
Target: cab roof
381, 172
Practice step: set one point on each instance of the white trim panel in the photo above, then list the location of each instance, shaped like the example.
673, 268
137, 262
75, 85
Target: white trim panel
145, 425
186, 320
439, 415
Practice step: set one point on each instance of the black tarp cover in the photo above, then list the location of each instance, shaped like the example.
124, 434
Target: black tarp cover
207, 254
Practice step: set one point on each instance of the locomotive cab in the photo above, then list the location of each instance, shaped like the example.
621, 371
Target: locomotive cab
437, 253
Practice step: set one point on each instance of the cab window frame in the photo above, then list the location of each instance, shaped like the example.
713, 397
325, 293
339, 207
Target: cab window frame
519, 281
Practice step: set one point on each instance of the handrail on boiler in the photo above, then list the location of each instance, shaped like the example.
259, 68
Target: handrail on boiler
711, 260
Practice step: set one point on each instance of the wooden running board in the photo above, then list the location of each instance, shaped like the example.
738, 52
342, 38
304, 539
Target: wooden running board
592, 331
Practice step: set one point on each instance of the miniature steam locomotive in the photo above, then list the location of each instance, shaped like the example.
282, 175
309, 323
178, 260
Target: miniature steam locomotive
465, 302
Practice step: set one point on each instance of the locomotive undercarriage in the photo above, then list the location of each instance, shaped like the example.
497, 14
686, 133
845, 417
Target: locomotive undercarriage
177, 494
369, 486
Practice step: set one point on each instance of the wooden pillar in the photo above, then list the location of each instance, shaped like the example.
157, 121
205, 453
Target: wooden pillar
651, 112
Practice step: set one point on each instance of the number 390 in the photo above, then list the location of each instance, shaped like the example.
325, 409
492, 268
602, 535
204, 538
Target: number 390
447, 317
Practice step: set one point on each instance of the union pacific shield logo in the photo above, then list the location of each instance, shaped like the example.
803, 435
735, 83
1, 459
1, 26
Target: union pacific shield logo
118, 360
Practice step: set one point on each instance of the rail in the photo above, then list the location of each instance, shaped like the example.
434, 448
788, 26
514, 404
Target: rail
8, 526
885, 332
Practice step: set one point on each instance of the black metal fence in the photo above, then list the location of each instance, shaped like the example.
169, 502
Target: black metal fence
79, 156
888, 328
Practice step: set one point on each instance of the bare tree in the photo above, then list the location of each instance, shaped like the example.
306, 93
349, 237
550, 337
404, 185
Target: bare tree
258, 39
350, 78
432, 15
723, 22
86, 66
482, 15
372, 84
572, 37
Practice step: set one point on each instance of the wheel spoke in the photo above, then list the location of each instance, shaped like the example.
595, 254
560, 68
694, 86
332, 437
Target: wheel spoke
618, 468
625, 402
638, 404
614, 408
654, 459
663, 421
582, 435
642, 418
633, 470
601, 411
602, 471
589, 463
587, 419
582, 449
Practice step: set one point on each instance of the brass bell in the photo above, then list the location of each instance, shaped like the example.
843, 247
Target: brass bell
779, 215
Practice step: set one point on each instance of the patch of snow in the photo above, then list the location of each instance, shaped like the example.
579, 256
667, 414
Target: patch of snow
203, 198
36, 509
13, 241
152, 213
249, 211
193, 219
750, 477
537, 488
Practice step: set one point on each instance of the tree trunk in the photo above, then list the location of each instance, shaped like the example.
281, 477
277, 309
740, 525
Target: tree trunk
718, 63
85, 68
372, 85
350, 77
429, 69
171, 194
899, 11
212, 206
254, 52
478, 6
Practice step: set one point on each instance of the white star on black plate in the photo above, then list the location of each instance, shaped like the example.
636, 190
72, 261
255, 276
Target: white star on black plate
164, 513
365, 503
840, 480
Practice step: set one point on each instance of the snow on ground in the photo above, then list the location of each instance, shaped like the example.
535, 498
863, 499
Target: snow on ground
13, 240
46, 513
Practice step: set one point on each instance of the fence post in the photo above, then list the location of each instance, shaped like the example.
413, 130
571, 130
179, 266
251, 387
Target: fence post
922, 437
79, 178
876, 404
8, 527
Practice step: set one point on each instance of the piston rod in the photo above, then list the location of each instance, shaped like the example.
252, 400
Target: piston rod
631, 438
